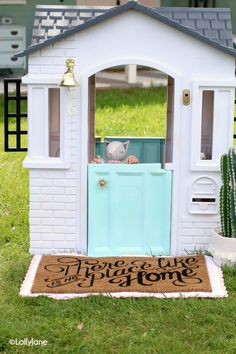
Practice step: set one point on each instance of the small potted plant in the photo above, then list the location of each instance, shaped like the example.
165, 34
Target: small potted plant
223, 241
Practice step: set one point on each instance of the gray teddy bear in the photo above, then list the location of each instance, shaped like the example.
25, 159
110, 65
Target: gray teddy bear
116, 153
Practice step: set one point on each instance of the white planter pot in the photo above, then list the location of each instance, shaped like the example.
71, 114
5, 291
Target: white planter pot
223, 249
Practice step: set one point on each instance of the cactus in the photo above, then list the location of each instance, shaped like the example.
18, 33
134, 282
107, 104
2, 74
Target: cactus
228, 194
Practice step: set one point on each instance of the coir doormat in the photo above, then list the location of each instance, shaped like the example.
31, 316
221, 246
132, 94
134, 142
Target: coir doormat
79, 274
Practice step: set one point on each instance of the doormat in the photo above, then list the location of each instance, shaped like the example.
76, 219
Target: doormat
66, 276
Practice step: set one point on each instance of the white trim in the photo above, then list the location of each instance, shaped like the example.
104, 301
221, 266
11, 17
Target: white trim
206, 165
196, 164
41, 79
126, 61
37, 113
83, 167
29, 121
176, 176
46, 122
49, 163
64, 127
202, 82
169, 166
44, 161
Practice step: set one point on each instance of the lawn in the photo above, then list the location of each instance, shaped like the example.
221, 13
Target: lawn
132, 112
110, 326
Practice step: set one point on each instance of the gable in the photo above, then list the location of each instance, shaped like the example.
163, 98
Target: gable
152, 41
52, 24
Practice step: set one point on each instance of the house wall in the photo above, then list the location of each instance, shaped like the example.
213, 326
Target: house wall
54, 201
192, 64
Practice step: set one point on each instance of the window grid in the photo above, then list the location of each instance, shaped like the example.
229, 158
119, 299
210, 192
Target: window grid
17, 114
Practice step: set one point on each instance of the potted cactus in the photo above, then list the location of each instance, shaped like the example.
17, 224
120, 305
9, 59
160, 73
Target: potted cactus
223, 241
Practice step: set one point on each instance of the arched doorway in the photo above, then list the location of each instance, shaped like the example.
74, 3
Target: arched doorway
165, 147
130, 211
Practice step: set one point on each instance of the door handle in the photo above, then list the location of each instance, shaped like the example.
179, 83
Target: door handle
102, 183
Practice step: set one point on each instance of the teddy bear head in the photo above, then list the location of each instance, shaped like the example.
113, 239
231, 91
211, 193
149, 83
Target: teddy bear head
116, 150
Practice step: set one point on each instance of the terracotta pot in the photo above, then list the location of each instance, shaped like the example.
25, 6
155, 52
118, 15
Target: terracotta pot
223, 249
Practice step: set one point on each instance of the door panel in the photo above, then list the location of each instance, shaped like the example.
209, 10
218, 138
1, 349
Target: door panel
130, 214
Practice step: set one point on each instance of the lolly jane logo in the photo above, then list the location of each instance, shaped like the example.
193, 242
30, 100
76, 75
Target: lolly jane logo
32, 342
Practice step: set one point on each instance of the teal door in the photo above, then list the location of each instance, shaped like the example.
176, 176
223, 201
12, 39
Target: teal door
129, 210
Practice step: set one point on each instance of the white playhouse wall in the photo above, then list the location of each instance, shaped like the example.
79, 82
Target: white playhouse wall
54, 201
58, 195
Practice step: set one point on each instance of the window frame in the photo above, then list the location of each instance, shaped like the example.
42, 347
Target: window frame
196, 163
44, 161
64, 141
205, 121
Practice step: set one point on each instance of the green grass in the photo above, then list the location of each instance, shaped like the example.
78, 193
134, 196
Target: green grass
122, 326
131, 112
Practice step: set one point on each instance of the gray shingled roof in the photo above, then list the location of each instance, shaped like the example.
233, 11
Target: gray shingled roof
49, 21
53, 23
213, 23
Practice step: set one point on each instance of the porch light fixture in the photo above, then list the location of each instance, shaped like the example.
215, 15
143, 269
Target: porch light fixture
68, 79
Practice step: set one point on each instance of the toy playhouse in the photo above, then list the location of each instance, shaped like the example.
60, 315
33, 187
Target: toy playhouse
160, 207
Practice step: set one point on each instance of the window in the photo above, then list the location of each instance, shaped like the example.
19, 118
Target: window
48, 146
212, 123
207, 124
54, 122
202, 3
15, 117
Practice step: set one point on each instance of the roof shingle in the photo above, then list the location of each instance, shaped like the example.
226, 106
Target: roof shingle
54, 18
215, 19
